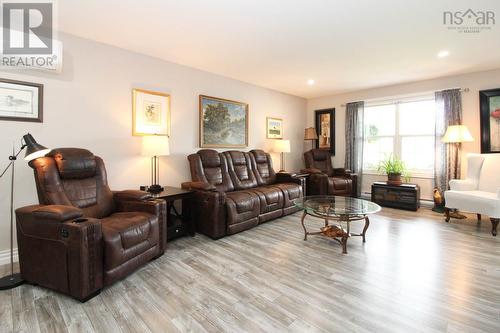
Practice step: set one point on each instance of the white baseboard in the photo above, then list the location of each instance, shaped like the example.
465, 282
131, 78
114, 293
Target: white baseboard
5, 257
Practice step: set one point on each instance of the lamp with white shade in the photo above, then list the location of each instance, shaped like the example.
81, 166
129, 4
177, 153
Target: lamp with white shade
456, 134
155, 146
282, 147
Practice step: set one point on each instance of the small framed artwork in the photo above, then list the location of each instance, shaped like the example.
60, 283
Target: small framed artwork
325, 127
489, 101
21, 101
150, 113
223, 123
274, 128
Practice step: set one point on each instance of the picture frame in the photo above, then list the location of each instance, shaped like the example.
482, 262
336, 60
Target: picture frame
274, 128
21, 101
325, 128
150, 113
489, 102
223, 123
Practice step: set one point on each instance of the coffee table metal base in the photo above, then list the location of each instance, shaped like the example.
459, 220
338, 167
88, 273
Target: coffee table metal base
347, 219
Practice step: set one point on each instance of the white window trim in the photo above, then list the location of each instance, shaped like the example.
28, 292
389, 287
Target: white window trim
422, 174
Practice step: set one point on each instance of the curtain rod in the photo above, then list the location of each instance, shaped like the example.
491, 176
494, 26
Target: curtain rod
461, 90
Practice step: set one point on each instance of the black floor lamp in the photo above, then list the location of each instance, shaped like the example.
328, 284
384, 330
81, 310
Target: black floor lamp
33, 150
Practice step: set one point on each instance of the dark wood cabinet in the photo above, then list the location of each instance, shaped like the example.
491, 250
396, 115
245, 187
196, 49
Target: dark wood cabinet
405, 196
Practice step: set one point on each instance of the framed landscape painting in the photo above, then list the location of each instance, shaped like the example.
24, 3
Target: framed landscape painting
223, 123
21, 101
150, 113
490, 120
274, 128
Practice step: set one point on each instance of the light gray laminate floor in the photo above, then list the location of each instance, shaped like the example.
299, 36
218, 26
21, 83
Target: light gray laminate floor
414, 274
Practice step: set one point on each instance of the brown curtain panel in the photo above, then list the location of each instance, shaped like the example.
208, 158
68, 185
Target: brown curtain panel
354, 134
447, 159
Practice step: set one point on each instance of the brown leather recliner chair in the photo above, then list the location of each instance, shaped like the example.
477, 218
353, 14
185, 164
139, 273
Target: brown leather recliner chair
83, 236
235, 191
324, 179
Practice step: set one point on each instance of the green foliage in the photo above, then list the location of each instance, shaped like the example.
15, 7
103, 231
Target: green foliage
393, 165
216, 117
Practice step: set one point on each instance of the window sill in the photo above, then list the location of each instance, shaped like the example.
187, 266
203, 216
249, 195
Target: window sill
413, 176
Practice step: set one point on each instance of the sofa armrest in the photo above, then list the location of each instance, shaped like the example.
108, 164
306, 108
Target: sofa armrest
156, 207
69, 254
285, 177
202, 186
131, 195
208, 211
462, 185
56, 213
311, 170
342, 172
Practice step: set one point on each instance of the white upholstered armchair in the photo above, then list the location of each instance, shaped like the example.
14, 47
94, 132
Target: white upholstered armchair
480, 192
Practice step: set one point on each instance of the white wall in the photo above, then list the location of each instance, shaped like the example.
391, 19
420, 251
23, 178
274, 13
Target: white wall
88, 105
475, 82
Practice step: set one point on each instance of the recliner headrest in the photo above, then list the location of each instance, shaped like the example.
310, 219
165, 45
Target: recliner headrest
320, 154
209, 158
237, 157
259, 155
74, 163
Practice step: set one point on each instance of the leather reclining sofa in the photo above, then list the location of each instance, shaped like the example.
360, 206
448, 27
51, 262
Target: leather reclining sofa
324, 179
82, 236
235, 191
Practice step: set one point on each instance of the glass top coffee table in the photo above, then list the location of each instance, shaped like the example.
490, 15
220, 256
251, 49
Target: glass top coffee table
341, 210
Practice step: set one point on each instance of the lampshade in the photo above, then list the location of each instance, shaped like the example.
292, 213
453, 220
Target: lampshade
281, 146
310, 134
457, 134
33, 149
155, 145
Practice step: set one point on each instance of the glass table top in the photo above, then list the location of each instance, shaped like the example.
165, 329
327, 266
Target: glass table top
329, 205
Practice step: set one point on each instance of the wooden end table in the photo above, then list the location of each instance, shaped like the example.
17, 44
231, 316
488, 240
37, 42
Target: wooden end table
178, 224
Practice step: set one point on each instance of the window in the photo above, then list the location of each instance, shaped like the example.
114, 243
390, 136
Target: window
404, 129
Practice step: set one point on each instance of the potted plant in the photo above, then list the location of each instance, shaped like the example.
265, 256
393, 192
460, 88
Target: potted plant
395, 169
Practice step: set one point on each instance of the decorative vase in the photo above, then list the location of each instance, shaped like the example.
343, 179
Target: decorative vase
394, 179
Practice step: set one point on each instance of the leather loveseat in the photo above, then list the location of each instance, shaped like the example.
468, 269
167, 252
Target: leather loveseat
82, 236
324, 179
235, 191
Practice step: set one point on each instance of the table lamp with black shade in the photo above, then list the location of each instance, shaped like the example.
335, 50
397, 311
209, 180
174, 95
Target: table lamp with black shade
33, 150
155, 146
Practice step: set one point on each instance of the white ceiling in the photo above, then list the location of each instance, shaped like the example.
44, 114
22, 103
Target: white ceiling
280, 44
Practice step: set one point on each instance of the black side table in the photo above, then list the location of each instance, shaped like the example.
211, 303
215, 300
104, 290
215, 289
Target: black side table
178, 225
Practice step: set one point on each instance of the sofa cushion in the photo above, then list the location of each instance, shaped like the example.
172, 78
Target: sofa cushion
242, 206
127, 235
263, 167
271, 198
481, 202
489, 179
240, 169
291, 191
210, 166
